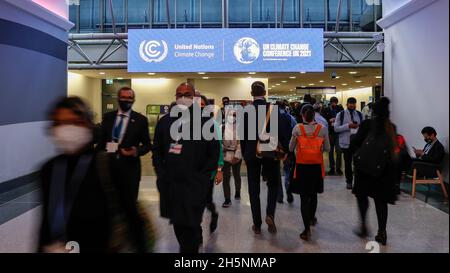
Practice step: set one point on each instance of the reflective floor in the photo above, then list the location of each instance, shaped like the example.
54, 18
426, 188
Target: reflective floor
413, 226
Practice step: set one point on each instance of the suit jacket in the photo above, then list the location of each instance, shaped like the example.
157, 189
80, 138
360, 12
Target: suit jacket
136, 134
183, 179
435, 155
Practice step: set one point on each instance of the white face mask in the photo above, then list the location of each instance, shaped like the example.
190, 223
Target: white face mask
71, 138
185, 101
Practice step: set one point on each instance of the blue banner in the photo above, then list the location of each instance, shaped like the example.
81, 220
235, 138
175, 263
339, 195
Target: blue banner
225, 50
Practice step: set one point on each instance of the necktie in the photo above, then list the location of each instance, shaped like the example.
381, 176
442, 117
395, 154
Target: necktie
118, 129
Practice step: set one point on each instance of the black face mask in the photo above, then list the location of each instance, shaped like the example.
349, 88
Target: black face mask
428, 140
125, 105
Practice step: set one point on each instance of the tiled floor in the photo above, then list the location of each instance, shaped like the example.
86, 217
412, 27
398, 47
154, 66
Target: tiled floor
413, 225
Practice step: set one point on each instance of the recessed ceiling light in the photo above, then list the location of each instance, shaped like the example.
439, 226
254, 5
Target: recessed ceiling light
358, 81
252, 73
102, 73
201, 73
378, 77
120, 78
303, 86
284, 81
321, 81
311, 84
269, 88
151, 73
303, 72
337, 77
205, 78
353, 72
344, 84
333, 86
293, 77
162, 78
278, 84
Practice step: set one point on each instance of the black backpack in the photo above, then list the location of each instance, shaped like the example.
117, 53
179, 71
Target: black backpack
374, 155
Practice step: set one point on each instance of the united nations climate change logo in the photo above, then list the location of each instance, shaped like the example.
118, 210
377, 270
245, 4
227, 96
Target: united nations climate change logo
246, 50
153, 51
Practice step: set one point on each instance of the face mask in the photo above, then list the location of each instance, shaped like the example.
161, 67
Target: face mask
71, 138
185, 101
231, 120
427, 140
125, 105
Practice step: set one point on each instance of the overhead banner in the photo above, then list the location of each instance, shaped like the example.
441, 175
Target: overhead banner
225, 50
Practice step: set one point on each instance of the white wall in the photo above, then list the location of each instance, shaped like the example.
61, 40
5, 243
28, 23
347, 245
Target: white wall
416, 72
88, 89
162, 91
391, 5
235, 89
362, 94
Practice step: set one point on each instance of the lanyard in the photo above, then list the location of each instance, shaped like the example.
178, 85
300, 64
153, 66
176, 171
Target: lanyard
59, 206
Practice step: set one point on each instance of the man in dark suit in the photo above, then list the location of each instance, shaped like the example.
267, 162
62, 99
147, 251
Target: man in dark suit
125, 132
183, 167
254, 164
434, 151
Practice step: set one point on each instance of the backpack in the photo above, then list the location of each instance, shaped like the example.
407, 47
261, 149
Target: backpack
341, 116
373, 156
271, 147
309, 148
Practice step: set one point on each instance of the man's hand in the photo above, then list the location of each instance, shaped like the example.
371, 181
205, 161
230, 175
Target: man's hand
132, 151
219, 177
332, 120
353, 125
419, 153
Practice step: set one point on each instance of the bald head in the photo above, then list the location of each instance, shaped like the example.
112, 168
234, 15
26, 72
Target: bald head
185, 90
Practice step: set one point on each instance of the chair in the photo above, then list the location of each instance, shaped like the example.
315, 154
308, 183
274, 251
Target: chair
429, 174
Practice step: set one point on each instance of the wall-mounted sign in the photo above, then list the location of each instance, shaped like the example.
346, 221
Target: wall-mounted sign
225, 50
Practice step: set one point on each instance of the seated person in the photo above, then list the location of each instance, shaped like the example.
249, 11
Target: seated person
433, 152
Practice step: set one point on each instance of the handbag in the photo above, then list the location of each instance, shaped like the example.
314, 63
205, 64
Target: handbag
272, 148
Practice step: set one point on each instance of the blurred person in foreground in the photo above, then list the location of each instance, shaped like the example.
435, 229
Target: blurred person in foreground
80, 200
183, 167
376, 167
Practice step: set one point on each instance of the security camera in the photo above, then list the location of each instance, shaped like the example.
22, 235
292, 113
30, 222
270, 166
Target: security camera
333, 75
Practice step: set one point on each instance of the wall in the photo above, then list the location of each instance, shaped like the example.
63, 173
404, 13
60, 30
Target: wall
88, 89
162, 91
33, 72
417, 69
360, 95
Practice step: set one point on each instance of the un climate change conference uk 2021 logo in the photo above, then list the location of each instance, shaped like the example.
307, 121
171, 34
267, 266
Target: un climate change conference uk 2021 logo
246, 50
153, 51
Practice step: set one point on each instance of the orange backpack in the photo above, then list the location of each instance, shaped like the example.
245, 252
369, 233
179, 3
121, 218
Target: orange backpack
309, 148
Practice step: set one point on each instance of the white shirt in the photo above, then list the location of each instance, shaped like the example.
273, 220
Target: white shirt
125, 121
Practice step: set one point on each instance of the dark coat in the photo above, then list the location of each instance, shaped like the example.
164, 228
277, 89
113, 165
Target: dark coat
137, 135
382, 187
249, 143
88, 220
435, 155
183, 179
328, 114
